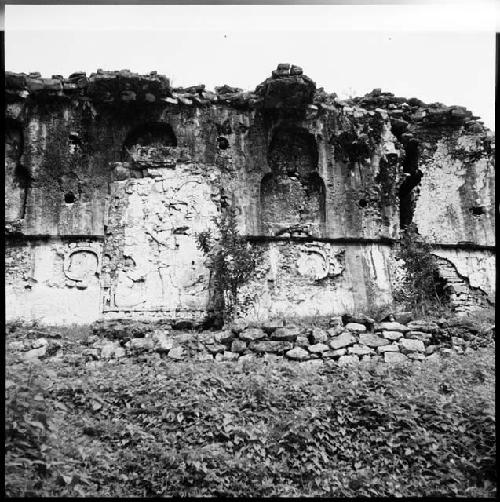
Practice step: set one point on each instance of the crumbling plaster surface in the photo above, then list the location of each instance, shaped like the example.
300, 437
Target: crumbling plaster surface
151, 258
477, 267
317, 279
458, 178
53, 282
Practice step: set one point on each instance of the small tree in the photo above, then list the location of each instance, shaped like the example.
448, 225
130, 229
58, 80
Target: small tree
231, 259
422, 289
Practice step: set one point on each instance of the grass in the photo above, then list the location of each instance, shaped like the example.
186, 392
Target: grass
287, 429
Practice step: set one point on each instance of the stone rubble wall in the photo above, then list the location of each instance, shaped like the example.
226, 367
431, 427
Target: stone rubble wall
354, 342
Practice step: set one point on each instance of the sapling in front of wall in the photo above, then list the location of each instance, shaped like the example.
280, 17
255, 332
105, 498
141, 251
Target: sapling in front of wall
230, 258
422, 290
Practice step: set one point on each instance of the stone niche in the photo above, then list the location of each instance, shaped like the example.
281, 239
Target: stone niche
293, 193
16, 177
150, 145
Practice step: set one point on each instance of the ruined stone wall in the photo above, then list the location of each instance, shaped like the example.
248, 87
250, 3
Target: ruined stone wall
133, 169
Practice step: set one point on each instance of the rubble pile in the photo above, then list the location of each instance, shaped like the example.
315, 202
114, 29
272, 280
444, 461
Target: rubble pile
361, 339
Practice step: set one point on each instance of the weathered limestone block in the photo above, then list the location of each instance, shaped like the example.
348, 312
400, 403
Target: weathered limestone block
238, 346
318, 348
392, 335
230, 356
318, 335
355, 327
343, 340
302, 341
351, 359
387, 348
408, 345
372, 340
359, 350
252, 334
270, 346
391, 326
287, 334
298, 354
394, 357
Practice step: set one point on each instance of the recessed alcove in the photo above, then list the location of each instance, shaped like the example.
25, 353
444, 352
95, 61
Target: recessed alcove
293, 194
155, 134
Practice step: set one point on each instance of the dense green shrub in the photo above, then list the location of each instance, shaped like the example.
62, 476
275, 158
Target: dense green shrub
423, 290
231, 259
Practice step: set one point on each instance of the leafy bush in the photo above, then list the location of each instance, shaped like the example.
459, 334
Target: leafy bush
285, 429
231, 259
423, 290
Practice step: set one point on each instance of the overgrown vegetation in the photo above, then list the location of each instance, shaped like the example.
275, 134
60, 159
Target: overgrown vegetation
231, 260
422, 290
229, 429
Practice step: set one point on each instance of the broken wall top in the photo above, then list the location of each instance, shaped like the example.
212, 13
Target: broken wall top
288, 87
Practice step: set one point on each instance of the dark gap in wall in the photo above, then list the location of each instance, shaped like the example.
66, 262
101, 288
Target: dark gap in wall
363, 202
154, 133
412, 180
222, 143
69, 198
477, 210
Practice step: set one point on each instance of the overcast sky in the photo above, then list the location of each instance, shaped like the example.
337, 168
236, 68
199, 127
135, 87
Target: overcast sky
440, 53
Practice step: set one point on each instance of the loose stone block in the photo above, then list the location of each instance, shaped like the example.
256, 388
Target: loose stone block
252, 334
392, 335
230, 356
285, 334
394, 357
302, 341
391, 326
343, 340
298, 354
408, 345
238, 346
270, 346
318, 348
388, 348
359, 350
372, 340
34, 353
318, 335
352, 359
355, 327
39, 342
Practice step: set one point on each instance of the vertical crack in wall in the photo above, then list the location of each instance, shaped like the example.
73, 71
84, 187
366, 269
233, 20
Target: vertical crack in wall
410, 183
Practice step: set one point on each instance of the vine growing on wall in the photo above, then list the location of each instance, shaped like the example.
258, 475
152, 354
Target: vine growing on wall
422, 288
231, 259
